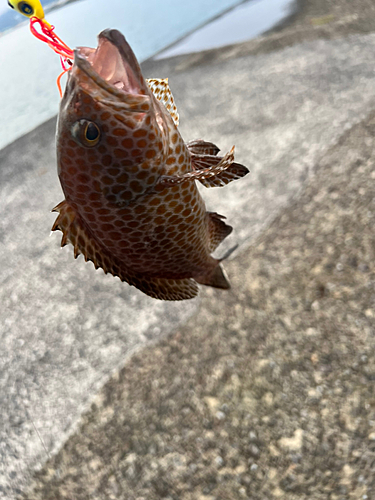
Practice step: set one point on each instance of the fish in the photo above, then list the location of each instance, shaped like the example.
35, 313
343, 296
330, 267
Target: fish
132, 205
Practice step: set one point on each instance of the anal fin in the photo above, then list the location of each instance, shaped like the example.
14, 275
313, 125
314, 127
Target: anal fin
215, 278
217, 229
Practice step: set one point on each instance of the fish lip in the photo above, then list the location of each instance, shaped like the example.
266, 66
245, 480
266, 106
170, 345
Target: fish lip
112, 65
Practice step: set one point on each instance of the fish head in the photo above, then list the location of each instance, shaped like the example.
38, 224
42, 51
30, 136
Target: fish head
109, 117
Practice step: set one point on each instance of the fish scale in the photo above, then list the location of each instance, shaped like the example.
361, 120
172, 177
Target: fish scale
131, 204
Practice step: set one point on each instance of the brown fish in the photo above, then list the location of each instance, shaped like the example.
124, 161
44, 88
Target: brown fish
131, 203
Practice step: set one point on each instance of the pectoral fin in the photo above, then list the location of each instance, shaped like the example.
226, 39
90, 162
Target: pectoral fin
233, 172
162, 92
200, 147
204, 174
210, 170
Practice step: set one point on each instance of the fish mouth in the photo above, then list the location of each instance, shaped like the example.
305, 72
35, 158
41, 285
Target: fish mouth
112, 65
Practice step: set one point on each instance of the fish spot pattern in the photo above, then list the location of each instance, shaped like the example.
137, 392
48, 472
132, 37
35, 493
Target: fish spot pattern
115, 213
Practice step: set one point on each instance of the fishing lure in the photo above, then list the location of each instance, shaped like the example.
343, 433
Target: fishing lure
34, 11
28, 9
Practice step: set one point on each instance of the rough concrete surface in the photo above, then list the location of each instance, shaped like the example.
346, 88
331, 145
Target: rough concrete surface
267, 391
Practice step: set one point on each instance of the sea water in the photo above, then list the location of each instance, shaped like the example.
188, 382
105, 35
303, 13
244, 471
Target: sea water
28, 68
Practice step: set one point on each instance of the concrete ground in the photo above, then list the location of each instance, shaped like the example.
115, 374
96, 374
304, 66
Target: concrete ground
267, 390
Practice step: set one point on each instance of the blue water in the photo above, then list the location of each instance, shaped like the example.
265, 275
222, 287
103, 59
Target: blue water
28, 92
243, 22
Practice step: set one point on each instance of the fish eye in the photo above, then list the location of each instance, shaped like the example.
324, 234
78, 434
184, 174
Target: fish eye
86, 133
25, 8
92, 132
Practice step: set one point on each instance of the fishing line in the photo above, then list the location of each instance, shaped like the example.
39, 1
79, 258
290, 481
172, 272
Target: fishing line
34, 11
55, 43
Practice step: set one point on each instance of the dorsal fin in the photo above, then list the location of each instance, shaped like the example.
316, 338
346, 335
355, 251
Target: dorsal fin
167, 289
74, 232
162, 92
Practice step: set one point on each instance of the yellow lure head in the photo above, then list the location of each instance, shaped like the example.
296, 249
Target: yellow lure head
34, 11
30, 8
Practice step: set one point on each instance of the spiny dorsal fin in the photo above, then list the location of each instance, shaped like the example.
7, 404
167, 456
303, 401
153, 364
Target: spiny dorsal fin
75, 233
162, 92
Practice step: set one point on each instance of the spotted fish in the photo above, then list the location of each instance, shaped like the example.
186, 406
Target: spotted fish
131, 204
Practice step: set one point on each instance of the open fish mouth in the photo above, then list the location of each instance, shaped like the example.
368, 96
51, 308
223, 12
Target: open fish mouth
112, 65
